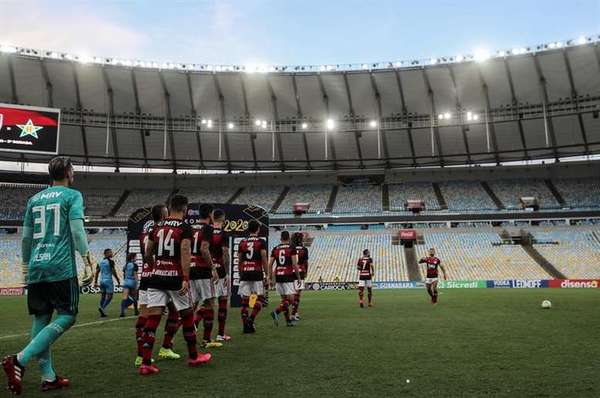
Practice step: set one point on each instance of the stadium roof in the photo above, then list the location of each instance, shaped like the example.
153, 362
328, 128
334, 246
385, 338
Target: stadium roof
530, 103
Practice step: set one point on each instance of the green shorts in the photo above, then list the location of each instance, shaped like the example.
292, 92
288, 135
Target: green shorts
46, 297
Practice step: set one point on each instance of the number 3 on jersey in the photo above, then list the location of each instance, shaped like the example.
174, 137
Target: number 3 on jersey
39, 219
250, 252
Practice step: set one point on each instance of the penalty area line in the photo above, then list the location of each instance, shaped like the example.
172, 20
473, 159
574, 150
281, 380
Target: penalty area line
81, 325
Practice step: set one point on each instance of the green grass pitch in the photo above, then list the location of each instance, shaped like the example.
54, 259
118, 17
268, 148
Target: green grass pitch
488, 342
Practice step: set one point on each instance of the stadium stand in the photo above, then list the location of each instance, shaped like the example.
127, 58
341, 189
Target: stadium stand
580, 192
511, 190
317, 195
263, 196
204, 195
401, 192
100, 202
14, 199
471, 255
333, 256
466, 195
358, 198
577, 254
10, 255
143, 198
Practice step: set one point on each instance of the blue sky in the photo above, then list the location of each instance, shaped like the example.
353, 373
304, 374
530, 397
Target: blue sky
289, 31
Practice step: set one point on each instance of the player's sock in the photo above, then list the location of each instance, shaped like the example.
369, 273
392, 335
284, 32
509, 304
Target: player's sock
139, 332
198, 317
45, 357
149, 337
45, 338
124, 304
256, 309
370, 294
46, 367
286, 309
171, 327
222, 315
135, 304
208, 316
189, 334
296, 304
245, 305
102, 300
107, 301
361, 294
435, 296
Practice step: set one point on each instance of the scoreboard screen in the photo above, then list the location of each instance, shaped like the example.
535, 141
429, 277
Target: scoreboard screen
29, 129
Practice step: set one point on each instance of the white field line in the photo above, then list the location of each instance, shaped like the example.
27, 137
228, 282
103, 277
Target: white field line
80, 325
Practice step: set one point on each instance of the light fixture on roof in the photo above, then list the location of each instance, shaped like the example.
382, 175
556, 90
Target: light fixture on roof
471, 117
581, 40
230, 125
203, 121
85, 59
559, 44
304, 126
447, 115
264, 124
8, 49
373, 123
330, 124
441, 116
257, 122
209, 123
481, 55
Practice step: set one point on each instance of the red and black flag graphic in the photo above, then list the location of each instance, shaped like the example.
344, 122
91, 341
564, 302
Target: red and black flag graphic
29, 129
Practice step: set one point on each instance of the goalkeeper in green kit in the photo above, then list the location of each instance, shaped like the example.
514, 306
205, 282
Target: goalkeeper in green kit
52, 231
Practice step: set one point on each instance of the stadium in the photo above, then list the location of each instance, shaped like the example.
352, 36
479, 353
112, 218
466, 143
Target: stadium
491, 158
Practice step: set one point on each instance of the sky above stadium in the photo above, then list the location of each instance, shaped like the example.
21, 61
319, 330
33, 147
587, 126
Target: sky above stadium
290, 31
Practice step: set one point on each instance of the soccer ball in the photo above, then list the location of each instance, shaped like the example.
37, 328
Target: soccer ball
546, 304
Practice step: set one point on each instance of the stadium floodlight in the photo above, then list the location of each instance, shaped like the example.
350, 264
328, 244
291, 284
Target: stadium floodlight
230, 125
481, 55
330, 124
203, 121
209, 123
257, 122
559, 44
304, 126
264, 124
469, 115
441, 116
373, 123
8, 49
475, 117
85, 59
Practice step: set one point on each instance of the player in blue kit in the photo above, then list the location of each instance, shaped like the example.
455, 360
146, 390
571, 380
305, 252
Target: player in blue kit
106, 271
129, 285
52, 231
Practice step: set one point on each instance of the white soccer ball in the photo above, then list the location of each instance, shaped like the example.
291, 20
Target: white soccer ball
546, 304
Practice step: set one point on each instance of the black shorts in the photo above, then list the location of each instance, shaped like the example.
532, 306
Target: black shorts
45, 297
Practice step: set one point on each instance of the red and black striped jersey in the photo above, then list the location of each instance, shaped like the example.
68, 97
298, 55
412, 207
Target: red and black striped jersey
364, 266
432, 266
218, 244
167, 236
284, 269
146, 267
302, 253
249, 250
199, 267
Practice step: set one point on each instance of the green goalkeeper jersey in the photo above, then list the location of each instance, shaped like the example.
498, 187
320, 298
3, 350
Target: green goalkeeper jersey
48, 215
